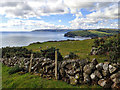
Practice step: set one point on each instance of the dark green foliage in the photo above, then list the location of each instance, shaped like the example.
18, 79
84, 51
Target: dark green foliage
37, 54
96, 42
36, 43
113, 56
109, 46
50, 53
83, 33
15, 69
15, 51
109, 30
73, 55
8, 52
93, 33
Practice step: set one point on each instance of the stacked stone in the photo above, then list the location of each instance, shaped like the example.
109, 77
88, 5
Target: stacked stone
74, 72
44, 66
104, 74
71, 71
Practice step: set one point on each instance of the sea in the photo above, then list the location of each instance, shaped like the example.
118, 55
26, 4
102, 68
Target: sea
14, 39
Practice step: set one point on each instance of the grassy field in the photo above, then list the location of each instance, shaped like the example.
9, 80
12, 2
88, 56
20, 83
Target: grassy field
33, 81
81, 48
93, 33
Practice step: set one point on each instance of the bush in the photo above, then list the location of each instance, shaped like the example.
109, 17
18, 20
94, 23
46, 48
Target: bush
50, 53
15, 69
9, 52
109, 46
72, 55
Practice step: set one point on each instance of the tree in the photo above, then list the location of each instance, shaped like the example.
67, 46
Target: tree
72, 55
50, 53
96, 42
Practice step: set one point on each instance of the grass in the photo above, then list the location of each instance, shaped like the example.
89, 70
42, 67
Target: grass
33, 81
93, 33
81, 48
98, 32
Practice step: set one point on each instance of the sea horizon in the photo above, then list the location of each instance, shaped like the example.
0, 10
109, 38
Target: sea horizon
13, 39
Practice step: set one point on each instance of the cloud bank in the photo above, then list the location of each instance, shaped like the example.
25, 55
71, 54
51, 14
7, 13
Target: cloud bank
102, 14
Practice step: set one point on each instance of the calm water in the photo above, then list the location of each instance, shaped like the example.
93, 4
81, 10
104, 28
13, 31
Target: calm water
25, 38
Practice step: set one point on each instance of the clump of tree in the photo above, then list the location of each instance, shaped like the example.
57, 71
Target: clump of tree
50, 53
71, 55
109, 46
8, 52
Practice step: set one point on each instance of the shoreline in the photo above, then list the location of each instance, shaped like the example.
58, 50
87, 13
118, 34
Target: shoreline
73, 39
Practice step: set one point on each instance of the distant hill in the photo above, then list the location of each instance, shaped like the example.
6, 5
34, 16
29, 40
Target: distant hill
55, 30
92, 33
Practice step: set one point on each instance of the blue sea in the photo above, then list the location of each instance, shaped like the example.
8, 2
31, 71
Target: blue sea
25, 38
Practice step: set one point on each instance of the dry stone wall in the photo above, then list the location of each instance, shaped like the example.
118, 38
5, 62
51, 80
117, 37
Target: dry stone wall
73, 72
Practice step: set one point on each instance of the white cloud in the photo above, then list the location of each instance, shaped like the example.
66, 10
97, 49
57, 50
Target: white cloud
37, 8
29, 25
110, 12
102, 14
104, 10
32, 8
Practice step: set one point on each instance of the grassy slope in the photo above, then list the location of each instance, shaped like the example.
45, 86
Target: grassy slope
33, 81
93, 33
81, 48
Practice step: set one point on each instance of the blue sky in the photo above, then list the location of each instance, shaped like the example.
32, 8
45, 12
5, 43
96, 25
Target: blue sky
24, 15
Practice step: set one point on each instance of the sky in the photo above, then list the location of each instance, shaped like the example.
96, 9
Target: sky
27, 15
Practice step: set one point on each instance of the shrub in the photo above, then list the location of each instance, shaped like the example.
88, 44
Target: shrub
109, 46
50, 53
15, 69
72, 55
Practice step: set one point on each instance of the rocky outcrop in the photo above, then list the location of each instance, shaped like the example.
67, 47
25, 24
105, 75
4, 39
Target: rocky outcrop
74, 72
96, 51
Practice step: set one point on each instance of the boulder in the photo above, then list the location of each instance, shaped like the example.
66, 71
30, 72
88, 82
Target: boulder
77, 76
86, 78
73, 81
105, 83
64, 63
106, 66
115, 77
99, 66
95, 75
94, 51
94, 61
83, 62
105, 73
75, 65
69, 66
98, 74
66, 57
116, 85
112, 69
70, 72
88, 68
62, 72
116, 80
